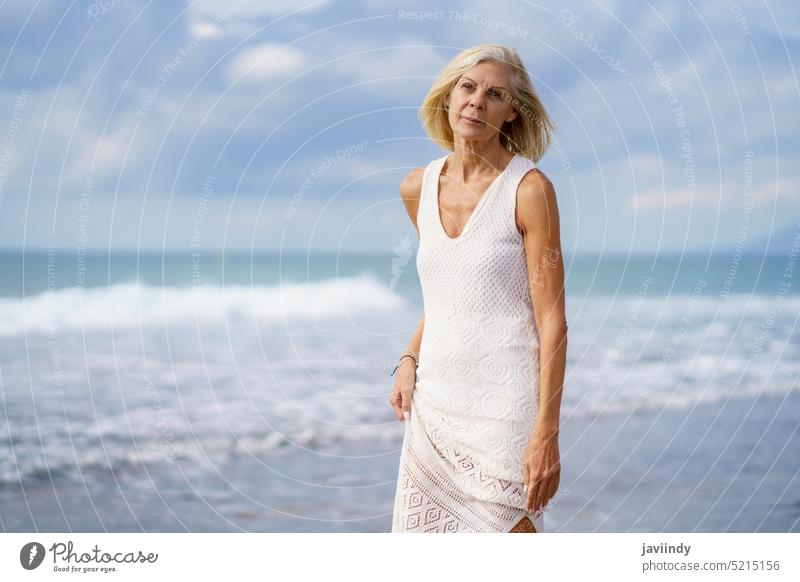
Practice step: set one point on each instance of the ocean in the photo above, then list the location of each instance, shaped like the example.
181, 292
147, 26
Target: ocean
249, 392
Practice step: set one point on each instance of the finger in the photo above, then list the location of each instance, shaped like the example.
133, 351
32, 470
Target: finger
406, 401
553, 488
538, 493
541, 494
396, 403
532, 493
556, 486
530, 503
405, 405
549, 490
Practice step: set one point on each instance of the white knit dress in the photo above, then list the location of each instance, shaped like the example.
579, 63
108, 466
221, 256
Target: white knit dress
474, 406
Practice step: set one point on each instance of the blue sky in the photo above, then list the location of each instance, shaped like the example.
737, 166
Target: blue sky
207, 125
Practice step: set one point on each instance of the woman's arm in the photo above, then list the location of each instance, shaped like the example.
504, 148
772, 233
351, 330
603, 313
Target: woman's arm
537, 213
538, 221
410, 190
406, 377
416, 339
405, 382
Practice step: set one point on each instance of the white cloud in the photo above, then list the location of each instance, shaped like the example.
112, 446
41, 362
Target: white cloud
785, 193
241, 18
395, 59
781, 192
266, 62
104, 153
206, 30
656, 198
646, 167
60, 140
253, 8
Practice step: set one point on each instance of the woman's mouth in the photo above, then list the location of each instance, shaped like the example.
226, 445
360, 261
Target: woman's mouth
471, 120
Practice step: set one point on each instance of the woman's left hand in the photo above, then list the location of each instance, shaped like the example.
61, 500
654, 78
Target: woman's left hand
542, 469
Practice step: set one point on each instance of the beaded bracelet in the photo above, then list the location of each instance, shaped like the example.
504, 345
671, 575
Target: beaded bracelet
407, 354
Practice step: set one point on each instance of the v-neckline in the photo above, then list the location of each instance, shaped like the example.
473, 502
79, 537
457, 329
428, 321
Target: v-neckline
478, 206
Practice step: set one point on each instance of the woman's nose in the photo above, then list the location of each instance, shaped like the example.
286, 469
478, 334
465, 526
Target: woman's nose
477, 100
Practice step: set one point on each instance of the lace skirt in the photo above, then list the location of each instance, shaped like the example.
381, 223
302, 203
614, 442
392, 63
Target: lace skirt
441, 491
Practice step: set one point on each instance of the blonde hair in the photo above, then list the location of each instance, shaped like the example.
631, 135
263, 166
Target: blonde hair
528, 135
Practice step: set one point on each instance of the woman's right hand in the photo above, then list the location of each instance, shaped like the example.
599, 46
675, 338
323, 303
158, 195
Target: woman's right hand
404, 384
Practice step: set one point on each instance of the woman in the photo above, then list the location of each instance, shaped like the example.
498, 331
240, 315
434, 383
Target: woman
480, 450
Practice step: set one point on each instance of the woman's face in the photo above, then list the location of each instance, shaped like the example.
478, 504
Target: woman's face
482, 94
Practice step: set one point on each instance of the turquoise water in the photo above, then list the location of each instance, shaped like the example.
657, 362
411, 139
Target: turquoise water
586, 275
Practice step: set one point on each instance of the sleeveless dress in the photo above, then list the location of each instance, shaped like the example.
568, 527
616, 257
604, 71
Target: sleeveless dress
476, 398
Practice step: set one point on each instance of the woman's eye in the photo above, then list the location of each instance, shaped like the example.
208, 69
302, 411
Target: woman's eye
466, 85
494, 93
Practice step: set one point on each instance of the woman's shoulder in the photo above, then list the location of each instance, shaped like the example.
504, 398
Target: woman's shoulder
411, 185
534, 182
537, 202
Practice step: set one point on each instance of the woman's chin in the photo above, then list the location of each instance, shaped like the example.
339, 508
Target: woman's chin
471, 132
